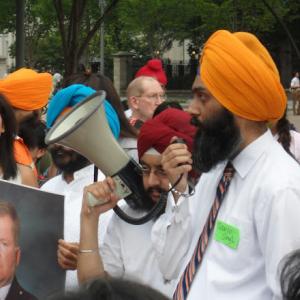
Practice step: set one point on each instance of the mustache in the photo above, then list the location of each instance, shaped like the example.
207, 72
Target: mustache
157, 189
61, 151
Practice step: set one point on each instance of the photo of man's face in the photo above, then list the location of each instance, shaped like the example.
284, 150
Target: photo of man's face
9, 251
26, 216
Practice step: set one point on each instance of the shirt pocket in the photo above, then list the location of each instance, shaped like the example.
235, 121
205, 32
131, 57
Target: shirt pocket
224, 263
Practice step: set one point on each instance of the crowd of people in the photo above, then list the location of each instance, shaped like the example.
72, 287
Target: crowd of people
226, 170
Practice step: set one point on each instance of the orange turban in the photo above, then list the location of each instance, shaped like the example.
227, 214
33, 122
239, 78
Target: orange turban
240, 73
26, 89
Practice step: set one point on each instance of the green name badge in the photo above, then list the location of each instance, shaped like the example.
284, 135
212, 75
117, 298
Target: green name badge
227, 234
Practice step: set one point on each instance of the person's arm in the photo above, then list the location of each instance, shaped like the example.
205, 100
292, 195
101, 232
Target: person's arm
89, 260
277, 224
172, 232
27, 175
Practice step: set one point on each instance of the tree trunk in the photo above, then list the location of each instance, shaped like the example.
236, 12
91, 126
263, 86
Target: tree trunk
69, 32
285, 56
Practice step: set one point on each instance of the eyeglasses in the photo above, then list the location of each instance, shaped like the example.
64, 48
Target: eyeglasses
146, 171
154, 97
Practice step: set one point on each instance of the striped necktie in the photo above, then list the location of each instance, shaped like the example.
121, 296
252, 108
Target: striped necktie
184, 285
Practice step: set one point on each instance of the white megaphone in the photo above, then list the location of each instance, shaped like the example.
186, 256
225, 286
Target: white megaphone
85, 129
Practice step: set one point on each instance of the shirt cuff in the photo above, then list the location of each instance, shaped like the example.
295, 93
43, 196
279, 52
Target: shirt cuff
175, 213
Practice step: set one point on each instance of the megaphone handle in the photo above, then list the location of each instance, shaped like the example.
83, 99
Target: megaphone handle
93, 201
122, 191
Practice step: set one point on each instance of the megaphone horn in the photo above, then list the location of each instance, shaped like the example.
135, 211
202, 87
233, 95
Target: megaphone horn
85, 129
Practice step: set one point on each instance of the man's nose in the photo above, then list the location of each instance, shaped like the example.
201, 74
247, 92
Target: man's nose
153, 179
193, 109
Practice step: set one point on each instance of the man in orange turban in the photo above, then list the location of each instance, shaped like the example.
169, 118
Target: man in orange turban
28, 92
226, 241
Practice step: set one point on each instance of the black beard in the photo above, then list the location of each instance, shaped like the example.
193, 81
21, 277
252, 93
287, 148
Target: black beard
148, 202
73, 164
216, 140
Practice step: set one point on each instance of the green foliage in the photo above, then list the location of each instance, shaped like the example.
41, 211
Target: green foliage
7, 16
145, 27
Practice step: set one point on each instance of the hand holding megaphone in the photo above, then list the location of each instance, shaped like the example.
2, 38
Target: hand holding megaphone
101, 194
177, 162
76, 130
116, 185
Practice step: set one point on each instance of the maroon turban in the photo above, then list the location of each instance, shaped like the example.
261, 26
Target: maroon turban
157, 132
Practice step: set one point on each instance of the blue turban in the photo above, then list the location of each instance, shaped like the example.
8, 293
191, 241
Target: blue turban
73, 94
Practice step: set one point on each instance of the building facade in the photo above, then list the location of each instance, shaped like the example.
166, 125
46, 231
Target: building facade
6, 61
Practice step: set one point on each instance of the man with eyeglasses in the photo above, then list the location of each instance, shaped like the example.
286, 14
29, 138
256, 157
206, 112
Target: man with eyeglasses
144, 94
127, 251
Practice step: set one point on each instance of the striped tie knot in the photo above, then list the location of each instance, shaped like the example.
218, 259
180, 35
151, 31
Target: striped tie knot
228, 172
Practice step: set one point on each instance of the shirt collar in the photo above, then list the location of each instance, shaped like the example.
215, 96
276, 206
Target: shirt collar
88, 170
248, 157
4, 291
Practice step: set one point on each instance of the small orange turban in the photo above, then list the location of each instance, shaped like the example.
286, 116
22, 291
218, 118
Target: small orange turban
26, 89
240, 73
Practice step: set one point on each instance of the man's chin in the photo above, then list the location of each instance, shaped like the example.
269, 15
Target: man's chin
155, 198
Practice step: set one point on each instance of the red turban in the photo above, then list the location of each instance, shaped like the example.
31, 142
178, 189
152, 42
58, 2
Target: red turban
154, 69
157, 132
26, 89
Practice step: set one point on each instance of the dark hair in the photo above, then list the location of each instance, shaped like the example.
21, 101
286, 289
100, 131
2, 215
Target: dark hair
7, 160
290, 276
112, 289
8, 209
101, 82
33, 133
167, 104
283, 127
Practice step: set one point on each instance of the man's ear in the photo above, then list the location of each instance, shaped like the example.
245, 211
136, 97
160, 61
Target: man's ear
18, 255
133, 102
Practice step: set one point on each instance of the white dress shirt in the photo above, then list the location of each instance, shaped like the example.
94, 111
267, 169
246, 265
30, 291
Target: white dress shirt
4, 291
262, 203
73, 193
295, 82
127, 253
